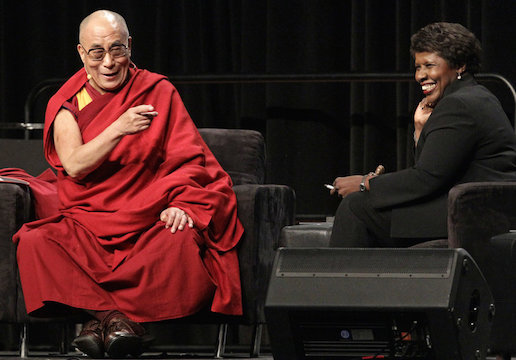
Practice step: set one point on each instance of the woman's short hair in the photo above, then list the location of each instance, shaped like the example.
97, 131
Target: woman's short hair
451, 41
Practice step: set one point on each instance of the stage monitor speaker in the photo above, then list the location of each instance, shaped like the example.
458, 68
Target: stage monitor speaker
337, 303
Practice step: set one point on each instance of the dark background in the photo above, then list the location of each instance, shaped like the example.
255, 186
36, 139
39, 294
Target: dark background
315, 131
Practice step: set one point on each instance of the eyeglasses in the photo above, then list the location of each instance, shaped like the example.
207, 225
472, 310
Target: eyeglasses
115, 51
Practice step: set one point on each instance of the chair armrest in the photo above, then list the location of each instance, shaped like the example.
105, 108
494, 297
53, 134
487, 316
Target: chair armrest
478, 211
263, 210
306, 235
15, 209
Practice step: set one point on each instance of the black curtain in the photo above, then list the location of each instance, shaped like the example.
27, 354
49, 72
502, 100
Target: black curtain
314, 131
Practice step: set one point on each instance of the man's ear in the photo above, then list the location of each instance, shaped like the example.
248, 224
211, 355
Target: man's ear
82, 52
129, 44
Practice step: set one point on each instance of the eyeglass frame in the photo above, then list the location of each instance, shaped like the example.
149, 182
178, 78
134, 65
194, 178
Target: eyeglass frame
104, 51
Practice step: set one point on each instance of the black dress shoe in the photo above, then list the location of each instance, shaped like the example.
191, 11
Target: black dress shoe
90, 340
123, 337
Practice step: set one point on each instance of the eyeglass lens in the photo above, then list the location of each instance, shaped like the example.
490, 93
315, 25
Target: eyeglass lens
114, 51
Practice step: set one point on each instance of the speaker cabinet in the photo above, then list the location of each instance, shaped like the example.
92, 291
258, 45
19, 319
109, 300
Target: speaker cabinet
337, 303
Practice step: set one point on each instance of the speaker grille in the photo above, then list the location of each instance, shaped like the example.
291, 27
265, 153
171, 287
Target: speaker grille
328, 349
333, 262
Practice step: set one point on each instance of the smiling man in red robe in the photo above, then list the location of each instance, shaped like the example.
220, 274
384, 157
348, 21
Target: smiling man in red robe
147, 224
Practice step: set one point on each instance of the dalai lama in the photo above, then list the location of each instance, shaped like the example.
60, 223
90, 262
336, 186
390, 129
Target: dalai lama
147, 225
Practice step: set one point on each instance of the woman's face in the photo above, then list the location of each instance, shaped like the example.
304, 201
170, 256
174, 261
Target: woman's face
433, 74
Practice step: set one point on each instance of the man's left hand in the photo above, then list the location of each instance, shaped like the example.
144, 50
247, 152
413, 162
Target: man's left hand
176, 219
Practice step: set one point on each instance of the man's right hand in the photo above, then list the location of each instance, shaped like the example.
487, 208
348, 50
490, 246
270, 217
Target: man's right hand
135, 119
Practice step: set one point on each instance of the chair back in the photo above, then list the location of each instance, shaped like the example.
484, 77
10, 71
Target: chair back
23, 154
241, 153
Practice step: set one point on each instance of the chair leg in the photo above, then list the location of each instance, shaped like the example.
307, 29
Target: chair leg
221, 341
24, 341
64, 340
257, 340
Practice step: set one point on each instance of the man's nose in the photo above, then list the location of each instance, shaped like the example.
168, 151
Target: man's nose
108, 60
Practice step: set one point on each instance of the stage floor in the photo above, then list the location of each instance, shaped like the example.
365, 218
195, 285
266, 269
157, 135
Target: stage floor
145, 356
154, 355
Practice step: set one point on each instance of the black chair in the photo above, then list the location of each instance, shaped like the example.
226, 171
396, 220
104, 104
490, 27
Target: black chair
263, 209
477, 213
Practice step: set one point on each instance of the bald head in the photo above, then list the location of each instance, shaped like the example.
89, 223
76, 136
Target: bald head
101, 33
103, 17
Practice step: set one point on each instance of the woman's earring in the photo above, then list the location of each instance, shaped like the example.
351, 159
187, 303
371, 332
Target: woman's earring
459, 76
88, 77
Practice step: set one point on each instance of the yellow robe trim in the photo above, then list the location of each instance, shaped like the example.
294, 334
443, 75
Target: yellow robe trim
83, 98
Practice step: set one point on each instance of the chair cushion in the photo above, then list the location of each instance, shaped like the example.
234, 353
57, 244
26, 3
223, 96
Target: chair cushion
241, 153
240, 178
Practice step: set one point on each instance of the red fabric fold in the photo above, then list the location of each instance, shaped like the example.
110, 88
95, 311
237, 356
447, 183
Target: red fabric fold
119, 203
43, 189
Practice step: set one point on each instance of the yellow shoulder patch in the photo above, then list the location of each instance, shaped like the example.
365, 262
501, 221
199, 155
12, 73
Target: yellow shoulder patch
83, 98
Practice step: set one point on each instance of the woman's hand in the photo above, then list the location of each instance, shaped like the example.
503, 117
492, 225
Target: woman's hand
421, 115
135, 119
346, 185
176, 219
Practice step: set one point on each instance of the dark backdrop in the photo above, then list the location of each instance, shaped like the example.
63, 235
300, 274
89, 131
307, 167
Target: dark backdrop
314, 131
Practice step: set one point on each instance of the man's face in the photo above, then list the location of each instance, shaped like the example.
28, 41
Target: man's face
434, 74
110, 72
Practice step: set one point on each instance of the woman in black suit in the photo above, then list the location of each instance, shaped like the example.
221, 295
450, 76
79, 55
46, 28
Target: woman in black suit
461, 135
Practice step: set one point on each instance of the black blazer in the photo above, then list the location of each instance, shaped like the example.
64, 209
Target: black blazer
467, 138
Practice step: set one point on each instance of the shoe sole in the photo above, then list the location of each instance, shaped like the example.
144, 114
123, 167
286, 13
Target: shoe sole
123, 345
88, 347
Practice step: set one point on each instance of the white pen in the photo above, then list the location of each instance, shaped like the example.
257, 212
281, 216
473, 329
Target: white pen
331, 187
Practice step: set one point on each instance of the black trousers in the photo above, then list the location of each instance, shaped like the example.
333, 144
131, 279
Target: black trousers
358, 224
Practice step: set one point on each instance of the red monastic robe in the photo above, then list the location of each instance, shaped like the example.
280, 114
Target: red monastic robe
106, 247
